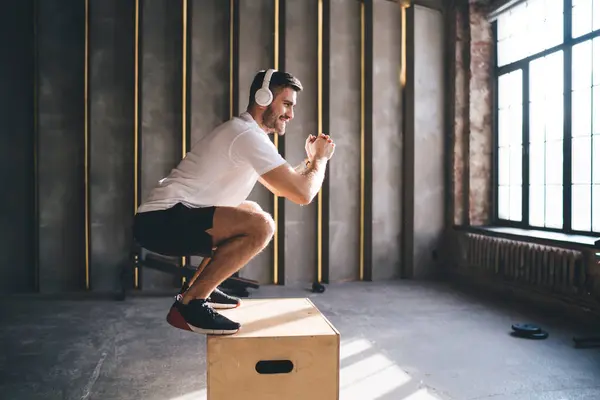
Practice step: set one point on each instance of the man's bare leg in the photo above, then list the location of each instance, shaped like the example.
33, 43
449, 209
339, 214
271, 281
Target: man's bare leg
246, 205
239, 234
200, 268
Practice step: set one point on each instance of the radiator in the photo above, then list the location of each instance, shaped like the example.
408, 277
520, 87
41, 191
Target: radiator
548, 267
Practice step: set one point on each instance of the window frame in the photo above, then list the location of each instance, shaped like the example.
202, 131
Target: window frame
523, 64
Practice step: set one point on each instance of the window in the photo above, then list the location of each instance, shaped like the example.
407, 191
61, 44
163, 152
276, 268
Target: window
548, 115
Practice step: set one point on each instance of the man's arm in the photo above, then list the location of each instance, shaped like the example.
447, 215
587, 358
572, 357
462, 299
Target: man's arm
300, 168
299, 187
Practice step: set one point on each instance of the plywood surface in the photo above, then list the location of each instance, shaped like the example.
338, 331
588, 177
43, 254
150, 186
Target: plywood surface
232, 373
276, 318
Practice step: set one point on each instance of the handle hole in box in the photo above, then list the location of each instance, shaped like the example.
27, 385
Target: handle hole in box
267, 367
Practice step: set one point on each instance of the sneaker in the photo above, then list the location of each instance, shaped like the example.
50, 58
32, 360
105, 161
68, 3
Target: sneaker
199, 317
221, 300
217, 299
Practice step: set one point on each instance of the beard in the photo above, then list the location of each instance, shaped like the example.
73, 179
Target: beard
273, 122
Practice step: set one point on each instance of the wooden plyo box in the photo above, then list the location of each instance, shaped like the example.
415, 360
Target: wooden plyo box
285, 350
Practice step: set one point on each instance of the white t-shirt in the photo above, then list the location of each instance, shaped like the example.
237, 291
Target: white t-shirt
220, 170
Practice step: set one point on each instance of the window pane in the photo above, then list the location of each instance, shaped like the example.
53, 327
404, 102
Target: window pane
503, 128
516, 165
596, 145
596, 104
536, 205
554, 162
581, 160
596, 57
537, 124
582, 113
546, 76
544, 26
537, 170
553, 27
554, 205
554, 117
581, 203
581, 17
596, 209
515, 203
503, 202
516, 126
529, 28
503, 165
510, 127
582, 66
510, 89
503, 28
596, 11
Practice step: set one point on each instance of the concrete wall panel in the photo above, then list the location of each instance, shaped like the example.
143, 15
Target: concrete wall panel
61, 102
209, 66
301, 61
111, 138
344, 126
387, 141
429, 139
17, 224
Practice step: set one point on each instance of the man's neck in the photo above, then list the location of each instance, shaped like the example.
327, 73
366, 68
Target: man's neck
257, 117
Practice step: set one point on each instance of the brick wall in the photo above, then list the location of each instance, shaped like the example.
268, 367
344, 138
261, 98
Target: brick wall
472, 139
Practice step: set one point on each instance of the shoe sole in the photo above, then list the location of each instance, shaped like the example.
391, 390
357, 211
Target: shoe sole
175, 319
222, 306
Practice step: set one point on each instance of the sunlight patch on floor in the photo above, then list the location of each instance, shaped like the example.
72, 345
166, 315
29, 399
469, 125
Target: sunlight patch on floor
421, 394
197, 395
371, 377
353, 347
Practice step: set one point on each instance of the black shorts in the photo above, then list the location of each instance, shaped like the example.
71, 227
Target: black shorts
177, 231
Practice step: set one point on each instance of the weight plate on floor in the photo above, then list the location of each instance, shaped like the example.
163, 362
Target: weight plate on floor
532, 335
526, 328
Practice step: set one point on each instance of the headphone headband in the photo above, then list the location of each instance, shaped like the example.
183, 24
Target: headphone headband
267, 81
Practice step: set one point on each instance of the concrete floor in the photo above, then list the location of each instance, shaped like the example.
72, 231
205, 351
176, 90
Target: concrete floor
400, 340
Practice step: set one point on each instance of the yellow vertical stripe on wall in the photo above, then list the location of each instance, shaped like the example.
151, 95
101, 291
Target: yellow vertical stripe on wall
36, 139
362, 142
231, 55
183, 81
403, 6
86, 146
319, 131
184, 92
135, 121
276, 141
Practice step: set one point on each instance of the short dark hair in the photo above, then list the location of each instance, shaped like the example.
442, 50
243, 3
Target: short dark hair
279, 80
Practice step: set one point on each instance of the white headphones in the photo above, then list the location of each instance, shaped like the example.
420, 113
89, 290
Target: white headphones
264, 96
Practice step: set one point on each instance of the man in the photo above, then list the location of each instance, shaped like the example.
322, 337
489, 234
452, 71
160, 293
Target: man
200, 208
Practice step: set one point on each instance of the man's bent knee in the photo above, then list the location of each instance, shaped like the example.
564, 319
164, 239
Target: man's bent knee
262, 227
251, 206
231, 222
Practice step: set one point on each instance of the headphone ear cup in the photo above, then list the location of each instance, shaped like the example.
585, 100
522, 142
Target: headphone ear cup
263, 97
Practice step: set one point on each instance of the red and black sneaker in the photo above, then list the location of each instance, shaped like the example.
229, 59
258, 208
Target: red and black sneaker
199, 317
221, 300
217, 299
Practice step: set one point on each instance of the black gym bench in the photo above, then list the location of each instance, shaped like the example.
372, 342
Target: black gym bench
179, 268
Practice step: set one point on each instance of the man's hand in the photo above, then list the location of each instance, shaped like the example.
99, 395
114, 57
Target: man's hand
301, 185
321, 147
309, 140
